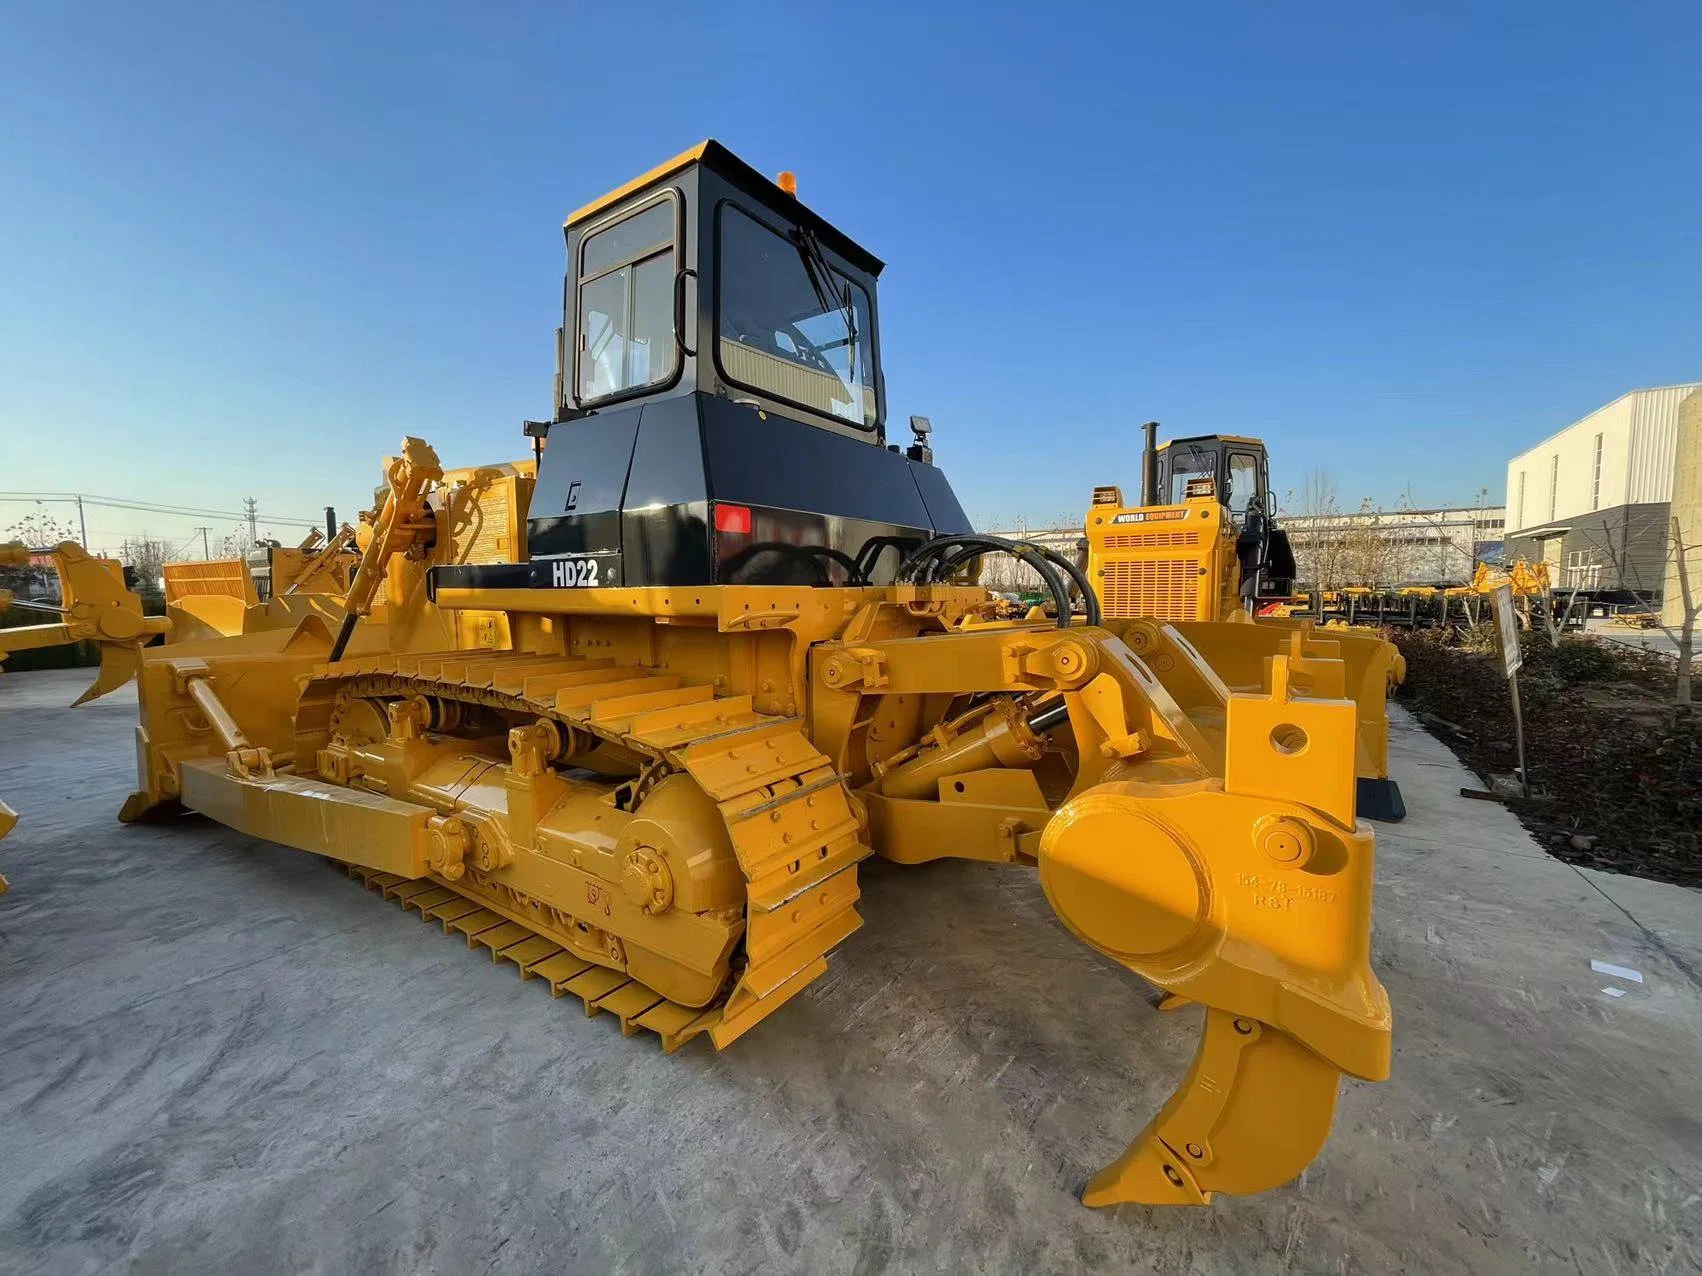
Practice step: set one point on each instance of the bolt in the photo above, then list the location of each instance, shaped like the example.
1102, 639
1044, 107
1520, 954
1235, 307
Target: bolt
1196, 1151
1287, 841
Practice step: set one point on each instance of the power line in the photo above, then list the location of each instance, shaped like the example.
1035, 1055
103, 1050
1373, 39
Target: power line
152, 507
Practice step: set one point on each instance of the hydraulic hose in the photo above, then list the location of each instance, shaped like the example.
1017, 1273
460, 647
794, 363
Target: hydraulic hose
1090, 598
924, 564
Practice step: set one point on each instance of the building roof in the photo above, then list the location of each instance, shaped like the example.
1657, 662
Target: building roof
1647, 389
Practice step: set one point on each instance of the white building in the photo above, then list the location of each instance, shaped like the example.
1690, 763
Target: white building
1592, 500
1395, 547
1011, 575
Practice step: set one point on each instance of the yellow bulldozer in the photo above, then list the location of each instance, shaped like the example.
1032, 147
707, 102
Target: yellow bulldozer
1203, 548
272, 586
630, 712
94, 605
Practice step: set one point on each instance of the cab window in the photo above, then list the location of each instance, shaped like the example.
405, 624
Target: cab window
1192, 465
626, 313
790, 324
1243, 482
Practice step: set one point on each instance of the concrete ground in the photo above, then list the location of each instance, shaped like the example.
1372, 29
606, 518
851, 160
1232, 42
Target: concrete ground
219, 1055
1656, 640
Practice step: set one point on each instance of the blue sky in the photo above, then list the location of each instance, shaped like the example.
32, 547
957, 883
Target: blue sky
244, 249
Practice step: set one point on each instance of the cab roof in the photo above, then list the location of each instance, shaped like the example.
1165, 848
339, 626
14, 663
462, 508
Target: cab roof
1207, 438
729, 167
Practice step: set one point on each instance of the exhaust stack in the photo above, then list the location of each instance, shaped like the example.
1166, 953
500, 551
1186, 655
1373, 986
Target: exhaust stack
1149, 465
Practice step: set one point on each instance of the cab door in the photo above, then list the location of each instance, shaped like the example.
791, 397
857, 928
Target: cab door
1244, 482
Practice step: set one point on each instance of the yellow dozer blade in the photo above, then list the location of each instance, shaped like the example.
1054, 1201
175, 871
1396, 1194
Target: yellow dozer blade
657, 798
222, 597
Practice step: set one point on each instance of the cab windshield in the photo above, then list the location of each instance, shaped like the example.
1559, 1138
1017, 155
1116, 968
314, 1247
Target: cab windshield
791, 325
1186, 467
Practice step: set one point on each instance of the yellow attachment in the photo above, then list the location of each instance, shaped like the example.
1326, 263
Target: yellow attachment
1253, 1111
94, 606
323, 569
208, 598
1527, 579
220, 598
1370, 668
998, 738
1262, 912
1208, 842
400, 522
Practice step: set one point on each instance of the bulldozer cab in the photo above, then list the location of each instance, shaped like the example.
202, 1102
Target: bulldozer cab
720, 413
1233, 469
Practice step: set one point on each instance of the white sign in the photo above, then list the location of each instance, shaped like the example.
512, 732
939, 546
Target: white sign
1507, 629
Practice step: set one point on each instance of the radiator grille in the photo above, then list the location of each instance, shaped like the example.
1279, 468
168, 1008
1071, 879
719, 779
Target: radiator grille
1163, 588
1150, 540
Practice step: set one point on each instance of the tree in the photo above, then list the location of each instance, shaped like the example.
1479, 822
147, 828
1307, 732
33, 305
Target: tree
236, 544
1684, 551
40, 530
1366, 555
1313, 528
1684, 637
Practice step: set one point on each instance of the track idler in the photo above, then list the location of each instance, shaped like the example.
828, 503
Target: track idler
1260, 911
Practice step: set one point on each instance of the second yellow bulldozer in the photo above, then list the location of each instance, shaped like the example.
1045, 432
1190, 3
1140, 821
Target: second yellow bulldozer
1202, 548
630, 713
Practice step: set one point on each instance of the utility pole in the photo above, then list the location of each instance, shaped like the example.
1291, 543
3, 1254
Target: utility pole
206, 554
82, 523
248, 505
330, 523
1477, 526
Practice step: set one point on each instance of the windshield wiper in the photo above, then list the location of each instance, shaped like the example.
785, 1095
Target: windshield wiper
821, 278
